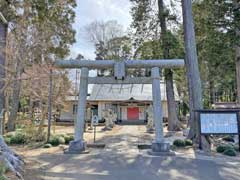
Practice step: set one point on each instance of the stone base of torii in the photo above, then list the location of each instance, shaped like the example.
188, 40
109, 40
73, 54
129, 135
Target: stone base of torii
159, 146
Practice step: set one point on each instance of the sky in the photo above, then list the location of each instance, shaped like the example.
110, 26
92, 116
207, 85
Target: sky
102, 10
88, 11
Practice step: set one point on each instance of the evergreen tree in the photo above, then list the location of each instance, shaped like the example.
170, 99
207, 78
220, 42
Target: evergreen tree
150, 24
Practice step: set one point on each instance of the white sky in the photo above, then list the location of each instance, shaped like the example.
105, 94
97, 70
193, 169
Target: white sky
102, 10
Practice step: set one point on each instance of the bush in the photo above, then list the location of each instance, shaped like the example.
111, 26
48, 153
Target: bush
47, 145
18, 138
221, 148
179, 143
9, 135
20, 126
188, 142
68, 138
34, 135
236, 148
3, 170
230, 152
7, 140
61, 140
228, 138
54, 141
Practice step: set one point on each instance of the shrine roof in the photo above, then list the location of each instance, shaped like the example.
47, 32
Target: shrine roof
125, 92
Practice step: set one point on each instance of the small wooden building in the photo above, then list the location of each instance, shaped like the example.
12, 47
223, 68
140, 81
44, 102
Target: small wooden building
129, 101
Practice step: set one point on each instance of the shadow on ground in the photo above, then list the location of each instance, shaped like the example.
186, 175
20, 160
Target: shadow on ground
121, 160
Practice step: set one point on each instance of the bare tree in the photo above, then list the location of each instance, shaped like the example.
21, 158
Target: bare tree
101, 32
18, 40
11, 159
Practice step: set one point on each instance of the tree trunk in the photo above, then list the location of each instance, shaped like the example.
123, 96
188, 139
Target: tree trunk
6, 115
3, 37
238, 71
11, 159
15, 96
211, 93
50, 103
173, 122
237, 48
193, 75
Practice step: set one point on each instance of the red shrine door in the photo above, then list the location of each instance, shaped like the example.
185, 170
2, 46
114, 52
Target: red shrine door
133, 113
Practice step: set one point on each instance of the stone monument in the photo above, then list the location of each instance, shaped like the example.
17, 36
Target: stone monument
150, 123
89, 119
108, 119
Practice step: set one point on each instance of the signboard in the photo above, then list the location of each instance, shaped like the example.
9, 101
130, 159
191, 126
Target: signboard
218, 123
95, 120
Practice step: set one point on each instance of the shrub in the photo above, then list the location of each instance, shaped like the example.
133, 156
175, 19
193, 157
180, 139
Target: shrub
188, 142
54, 141
61, 140
236, 148
7, 140
68, 138
20, 126
18, 138
61, 135
230, 152
221, 148
47, 145
228, 138
34, 135
9, 135
179, 143
3, 170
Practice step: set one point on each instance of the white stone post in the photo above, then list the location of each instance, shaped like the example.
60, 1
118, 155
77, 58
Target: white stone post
157, 105
79, 144
158, 145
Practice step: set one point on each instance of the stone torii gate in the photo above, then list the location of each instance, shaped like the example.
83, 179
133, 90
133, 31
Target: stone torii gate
120, 77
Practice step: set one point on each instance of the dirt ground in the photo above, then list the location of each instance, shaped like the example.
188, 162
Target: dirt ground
33, 168
122, 139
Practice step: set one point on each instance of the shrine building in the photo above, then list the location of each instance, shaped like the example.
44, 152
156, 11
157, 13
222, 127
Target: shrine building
128, 101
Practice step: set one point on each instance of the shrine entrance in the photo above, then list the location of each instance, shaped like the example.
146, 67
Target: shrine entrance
133, 113
120, 77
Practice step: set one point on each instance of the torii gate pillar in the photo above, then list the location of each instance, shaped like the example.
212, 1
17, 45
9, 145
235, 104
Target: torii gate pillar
158, 145
79, 145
